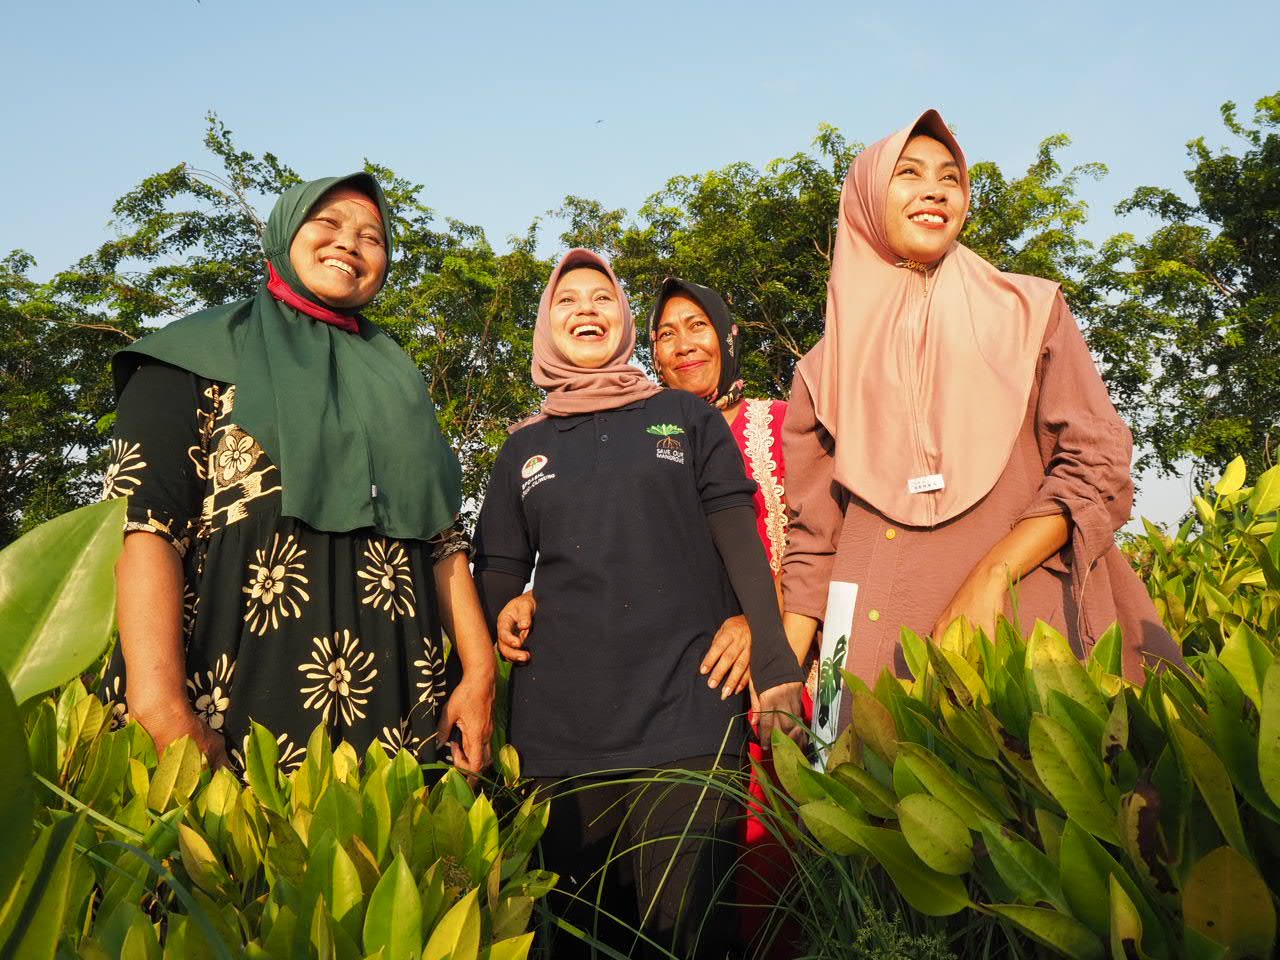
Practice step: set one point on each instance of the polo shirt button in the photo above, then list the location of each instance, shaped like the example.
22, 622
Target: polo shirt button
890, 533
873, 616
604, 438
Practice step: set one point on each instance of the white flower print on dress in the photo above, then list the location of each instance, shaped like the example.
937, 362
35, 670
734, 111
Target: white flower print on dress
119, 709
236, 454
290, 755
341, 675
119, 480
388, 578
401, 737
430, 682
209, 692
275, 585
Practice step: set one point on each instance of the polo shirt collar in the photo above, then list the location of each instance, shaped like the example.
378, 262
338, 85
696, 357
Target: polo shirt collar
568, 423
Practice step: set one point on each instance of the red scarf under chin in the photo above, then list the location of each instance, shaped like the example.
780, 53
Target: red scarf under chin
282, 292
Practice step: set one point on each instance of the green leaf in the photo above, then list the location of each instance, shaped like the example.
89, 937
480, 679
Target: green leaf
1054, 666
1085, 867
1269, 733
790, 765
201, 863
58, 597
877, 799
1247, 659
511, 916
481, 838
874, 724
457, 936
1225, 900
177, 775
1266, 492
34, 911
832, 826
1108, 652
925, 889
966, 801
1211, 779
1030, 874
1073, 776
1232, 478
936, 834
1232, 724
261, 755
393, 921
1126, 925
514, 948
17, 796
1057, 930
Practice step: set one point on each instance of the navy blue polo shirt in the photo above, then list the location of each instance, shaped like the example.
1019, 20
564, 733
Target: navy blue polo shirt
612, 508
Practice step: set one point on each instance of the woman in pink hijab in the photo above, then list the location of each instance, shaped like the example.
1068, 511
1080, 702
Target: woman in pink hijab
949, 435
628, 506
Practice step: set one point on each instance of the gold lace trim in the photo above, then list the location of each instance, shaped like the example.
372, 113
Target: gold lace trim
764, 471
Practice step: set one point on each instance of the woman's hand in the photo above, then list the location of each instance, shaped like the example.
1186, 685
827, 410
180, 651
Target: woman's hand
980, 600
470, 709
514, 623
729, 659
178, 721
782, 707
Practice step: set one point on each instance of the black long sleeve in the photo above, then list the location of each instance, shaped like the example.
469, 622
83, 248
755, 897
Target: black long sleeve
497, 589
738, 542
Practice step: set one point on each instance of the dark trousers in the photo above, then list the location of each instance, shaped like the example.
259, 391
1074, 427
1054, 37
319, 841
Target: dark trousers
643, 851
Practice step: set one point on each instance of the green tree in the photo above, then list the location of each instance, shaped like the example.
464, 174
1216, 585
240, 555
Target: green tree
53, 391
1187, 321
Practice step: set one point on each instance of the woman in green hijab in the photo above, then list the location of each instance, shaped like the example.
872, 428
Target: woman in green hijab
291, 550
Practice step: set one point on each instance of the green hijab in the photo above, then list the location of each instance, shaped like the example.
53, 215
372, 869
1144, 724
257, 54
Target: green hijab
344, 416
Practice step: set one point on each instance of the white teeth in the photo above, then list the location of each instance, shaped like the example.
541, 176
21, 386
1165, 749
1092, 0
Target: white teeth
588, 328
928, 218
331, 262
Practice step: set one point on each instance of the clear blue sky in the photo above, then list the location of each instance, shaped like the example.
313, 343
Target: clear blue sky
494, 106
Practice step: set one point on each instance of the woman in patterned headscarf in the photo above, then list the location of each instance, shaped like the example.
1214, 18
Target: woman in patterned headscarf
290, 550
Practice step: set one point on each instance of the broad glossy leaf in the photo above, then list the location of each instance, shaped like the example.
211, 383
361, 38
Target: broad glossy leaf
511, 916
1269, 734
393, 921
1266, 492
1232, 478
482, 838
1107, 653
1126, 925
1247, 658
261, 755
1054, 666
1085, 867
1142, 839
877, 799
33, 915
1054, 929
1029, 873
514, 948
1211, 779
874, 724
1226, 900
1233, 725
936, 834
57, 597
457, 935
963, 798
17, 795
791, 767
1073, 776
927, 890
832, 826
177, 775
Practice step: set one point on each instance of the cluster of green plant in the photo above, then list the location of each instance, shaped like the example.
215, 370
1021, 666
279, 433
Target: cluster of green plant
1096, 816
1216, 581
111, 851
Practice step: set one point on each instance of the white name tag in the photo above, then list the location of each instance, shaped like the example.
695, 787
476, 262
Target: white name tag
926, 484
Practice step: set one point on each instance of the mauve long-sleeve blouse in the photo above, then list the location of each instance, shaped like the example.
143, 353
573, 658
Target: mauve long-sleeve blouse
1071, 456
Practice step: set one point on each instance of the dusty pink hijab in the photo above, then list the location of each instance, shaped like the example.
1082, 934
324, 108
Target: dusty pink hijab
572, 390
910, 385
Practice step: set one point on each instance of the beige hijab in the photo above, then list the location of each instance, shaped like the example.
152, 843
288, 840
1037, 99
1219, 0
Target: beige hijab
572, 390
920, 389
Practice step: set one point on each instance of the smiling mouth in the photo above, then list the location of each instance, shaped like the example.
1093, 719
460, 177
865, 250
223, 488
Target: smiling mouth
930, 219
587, 331
339, 265
691, 364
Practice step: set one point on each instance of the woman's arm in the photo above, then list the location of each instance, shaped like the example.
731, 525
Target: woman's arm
470, 705
149, 587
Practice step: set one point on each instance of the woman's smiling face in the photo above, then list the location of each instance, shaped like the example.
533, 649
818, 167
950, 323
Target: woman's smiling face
686, 348
586, 317
340, 252
925, 206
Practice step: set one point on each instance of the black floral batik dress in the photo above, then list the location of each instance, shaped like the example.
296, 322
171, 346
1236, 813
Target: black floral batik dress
283, 624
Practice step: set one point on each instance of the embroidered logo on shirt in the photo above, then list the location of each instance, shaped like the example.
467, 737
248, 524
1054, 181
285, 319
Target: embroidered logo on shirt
669, 448
533, 465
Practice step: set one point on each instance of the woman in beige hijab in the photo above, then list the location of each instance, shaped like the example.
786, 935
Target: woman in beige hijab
950, 435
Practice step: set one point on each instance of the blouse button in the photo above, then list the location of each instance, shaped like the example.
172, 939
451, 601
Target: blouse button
604, 438
873, 616
890, 533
